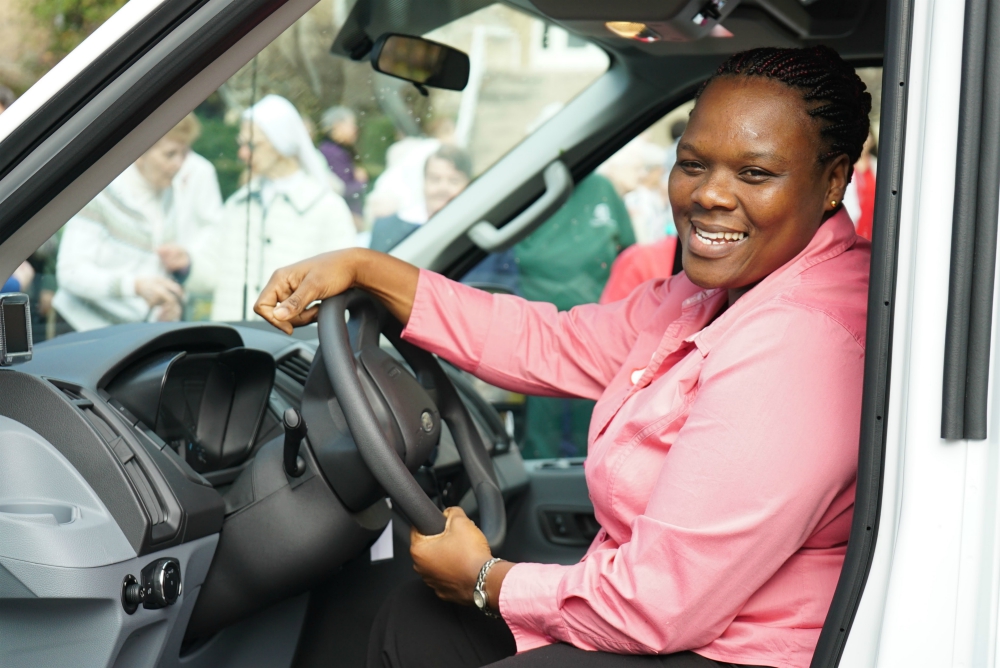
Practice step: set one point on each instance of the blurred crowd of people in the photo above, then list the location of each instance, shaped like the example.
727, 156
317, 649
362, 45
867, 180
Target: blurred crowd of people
160, 244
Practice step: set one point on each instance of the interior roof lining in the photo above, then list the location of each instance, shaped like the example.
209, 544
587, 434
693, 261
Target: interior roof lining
753, 25
861, 43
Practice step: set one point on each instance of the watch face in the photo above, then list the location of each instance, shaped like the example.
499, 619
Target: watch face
479, 599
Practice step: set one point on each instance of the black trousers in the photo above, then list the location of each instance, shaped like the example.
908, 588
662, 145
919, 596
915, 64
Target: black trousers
416, 629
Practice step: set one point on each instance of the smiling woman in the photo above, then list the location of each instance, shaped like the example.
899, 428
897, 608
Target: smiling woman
747, 205
723, 446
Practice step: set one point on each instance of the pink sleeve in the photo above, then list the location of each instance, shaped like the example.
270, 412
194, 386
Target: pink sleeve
524, 346
769, 445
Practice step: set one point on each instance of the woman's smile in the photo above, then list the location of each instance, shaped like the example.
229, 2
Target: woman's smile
712, 241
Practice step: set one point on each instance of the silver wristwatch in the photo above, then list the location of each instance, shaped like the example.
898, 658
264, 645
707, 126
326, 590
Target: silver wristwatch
479, 595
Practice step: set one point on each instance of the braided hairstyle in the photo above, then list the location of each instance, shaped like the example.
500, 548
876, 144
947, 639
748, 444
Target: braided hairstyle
842, 99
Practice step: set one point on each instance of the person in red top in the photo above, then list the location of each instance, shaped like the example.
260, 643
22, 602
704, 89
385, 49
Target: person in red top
859, 198
637, 264
723, 448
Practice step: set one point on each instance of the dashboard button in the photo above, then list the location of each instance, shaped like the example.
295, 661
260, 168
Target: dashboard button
161, 581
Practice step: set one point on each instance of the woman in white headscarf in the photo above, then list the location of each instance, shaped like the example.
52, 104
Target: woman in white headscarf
288, 210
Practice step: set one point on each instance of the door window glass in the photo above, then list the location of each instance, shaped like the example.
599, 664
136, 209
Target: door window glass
298, 153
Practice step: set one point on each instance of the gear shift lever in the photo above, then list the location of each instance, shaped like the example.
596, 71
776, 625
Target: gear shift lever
295, 431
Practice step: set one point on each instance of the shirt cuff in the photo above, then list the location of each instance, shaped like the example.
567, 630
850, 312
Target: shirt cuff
529, 603
126, 286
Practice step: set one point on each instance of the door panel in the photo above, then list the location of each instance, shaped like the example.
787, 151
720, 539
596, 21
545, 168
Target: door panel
553, 522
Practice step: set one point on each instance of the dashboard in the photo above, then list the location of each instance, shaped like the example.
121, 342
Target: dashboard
143, 465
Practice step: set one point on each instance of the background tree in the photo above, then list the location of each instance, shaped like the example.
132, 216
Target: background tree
71, 21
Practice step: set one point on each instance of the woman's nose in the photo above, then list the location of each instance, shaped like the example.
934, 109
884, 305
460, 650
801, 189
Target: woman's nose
714, 193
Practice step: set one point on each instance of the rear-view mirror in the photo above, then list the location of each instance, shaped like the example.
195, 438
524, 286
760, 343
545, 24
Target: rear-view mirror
421, 61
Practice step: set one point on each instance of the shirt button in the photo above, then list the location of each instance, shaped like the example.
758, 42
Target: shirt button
637, 374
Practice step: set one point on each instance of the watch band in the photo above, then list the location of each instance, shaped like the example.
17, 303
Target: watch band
479, 595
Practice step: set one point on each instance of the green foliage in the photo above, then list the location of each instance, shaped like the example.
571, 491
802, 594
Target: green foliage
217, 143
377, 134
72, 20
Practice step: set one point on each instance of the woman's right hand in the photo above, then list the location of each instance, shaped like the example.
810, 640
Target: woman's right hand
288, 299
159, 291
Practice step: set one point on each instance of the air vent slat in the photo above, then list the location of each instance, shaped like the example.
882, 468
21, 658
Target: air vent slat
110, 433
295, 367
74, 396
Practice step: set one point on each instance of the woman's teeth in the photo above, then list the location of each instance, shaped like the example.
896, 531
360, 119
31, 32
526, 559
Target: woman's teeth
716, 238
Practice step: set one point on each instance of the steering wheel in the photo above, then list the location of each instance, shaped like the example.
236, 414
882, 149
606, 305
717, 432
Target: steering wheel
395, 418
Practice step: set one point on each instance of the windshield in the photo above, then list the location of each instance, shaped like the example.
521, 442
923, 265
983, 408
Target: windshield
298, 153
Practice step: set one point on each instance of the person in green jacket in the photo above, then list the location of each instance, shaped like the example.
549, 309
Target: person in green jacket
566, 262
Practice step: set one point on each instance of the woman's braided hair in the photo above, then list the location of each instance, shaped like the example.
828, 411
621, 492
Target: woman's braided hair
843, 99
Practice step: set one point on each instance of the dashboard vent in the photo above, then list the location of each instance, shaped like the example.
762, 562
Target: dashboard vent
295, 367
101, 425
144, 487
72, 393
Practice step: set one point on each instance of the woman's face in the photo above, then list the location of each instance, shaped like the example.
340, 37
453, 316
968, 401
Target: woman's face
747, 191
160, 164
264, 158
345, 132
442, 183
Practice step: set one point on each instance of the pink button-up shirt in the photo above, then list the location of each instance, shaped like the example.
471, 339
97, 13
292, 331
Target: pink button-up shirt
722, 453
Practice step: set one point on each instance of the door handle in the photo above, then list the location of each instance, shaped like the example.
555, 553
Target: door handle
574, 527
558, 188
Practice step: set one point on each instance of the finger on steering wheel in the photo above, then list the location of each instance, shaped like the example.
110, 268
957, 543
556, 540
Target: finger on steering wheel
307, 317
294, 304
279, 287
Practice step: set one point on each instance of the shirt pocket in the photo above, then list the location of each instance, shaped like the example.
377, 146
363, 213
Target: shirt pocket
633, 465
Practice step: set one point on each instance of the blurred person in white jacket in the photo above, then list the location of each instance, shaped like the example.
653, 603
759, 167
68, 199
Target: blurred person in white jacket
636, 171
125, 256
287, 212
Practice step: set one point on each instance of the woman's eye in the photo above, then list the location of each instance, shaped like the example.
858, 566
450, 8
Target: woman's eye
756, 174
690, 165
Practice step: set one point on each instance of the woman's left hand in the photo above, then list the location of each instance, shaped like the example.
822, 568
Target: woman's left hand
450, 561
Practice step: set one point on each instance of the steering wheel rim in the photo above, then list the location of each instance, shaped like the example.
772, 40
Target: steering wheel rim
382, 459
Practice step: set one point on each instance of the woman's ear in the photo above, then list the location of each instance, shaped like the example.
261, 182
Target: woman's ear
837, 179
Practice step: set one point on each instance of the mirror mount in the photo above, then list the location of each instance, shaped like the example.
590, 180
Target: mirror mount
359, 46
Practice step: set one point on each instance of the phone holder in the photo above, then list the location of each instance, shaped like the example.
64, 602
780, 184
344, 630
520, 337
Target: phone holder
15, 328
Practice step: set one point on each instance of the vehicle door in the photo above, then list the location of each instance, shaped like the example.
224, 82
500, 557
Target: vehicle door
935, 563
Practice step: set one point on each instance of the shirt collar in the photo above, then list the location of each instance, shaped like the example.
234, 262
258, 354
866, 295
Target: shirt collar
299, 190
834, 237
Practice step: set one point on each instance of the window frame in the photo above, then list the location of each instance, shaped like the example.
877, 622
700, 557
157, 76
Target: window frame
879, 337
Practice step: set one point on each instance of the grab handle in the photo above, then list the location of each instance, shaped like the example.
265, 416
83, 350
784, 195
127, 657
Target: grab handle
558, 188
